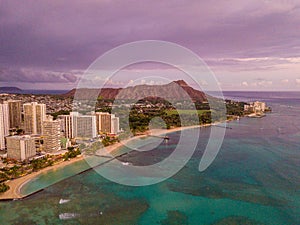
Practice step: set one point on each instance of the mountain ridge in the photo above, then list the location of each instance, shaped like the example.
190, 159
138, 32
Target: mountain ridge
10, 90
172, 90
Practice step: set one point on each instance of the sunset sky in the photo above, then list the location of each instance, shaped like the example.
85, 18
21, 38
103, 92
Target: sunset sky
249, 45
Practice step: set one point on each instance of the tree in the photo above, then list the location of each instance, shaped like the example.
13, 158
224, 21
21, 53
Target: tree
3, 187
3, 177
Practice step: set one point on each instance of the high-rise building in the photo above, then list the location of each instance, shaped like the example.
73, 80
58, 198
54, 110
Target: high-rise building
78, 126
66, 125
115, 127
259, 106
40, 117
103, 122
4, 124
34, 115
20, 147
51, 135
15, 110
85, 126
107, 123
255, 107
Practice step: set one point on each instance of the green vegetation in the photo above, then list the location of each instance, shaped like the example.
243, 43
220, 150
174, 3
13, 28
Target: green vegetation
176, 114
61, 112
186, 112
103, 105
41, 163
3, 177
140, 116
71, 153
63, 142
235, 108
109, 141
13, 172
3, 187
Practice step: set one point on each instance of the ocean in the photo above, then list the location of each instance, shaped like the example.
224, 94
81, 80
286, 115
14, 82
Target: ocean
255, 179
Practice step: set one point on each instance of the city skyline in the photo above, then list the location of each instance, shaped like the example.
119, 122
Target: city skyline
248, 45
36, 124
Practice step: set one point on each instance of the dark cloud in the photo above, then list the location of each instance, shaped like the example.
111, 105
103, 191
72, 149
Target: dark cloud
43, 33
35, 76
66, 35
70, 78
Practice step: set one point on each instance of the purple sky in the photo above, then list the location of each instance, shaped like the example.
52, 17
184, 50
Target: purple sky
249, 45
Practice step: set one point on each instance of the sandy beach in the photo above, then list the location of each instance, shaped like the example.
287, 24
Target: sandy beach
15, 185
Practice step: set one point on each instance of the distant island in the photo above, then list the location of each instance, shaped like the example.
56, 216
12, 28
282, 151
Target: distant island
11, 90
16, 90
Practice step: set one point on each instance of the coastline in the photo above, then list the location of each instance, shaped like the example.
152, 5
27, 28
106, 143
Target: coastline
16, 185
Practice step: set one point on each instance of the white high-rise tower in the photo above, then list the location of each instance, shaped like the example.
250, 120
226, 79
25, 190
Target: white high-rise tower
4, 124
51, 135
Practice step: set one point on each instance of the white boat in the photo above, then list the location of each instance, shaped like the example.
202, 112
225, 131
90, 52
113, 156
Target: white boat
67, 216
62, 201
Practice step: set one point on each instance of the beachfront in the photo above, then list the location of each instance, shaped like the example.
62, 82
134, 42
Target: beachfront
16, 185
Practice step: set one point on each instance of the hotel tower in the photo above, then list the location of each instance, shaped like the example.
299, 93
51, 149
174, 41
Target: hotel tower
51, 135
15, 110
34, 115
4, 124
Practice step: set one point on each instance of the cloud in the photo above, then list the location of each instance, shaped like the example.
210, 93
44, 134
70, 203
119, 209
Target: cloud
257, 83
72, 35
252, 38
245, 83
253, 64
70, 78
8, 75
298, 81
284, 81
264, 83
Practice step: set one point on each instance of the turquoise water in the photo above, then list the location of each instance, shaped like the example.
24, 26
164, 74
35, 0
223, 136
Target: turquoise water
255, 179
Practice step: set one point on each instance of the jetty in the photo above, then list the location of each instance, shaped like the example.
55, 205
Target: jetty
225, 127
163, 137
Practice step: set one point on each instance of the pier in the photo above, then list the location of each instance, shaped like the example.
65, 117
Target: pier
163, 137
225, 127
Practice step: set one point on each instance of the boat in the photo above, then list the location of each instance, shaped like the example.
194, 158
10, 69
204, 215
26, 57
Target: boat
62, 201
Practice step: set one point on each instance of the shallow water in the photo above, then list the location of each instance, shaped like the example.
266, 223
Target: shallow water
255, 179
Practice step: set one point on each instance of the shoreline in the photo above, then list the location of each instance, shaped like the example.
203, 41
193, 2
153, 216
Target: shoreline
16, 185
